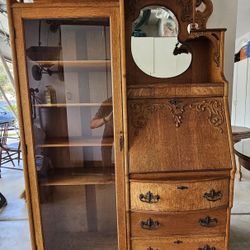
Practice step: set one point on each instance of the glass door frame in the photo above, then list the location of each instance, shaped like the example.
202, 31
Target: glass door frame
33, 12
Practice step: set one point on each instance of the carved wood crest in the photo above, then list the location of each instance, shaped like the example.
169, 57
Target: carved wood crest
201, 17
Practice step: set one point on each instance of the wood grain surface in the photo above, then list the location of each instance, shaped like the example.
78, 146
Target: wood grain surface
178, 196
178, 243
179, 224
177, 135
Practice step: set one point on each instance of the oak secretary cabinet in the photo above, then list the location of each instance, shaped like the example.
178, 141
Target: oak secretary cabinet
125, 124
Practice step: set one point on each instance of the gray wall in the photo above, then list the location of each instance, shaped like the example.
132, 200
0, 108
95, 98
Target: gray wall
225, 16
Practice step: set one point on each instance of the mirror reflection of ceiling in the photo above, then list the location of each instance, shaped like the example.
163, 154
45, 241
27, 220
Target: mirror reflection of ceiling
154, 43
155, 21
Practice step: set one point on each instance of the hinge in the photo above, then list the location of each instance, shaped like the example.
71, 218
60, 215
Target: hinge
121, 141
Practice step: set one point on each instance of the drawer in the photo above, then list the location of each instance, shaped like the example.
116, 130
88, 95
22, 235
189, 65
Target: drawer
215, 243
179, 196
189, 223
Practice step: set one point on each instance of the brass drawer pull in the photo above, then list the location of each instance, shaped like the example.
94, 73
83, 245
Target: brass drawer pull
206, 248
149, 197
208, 222
150, 224
178, 242
213, 195
150, 248
182, 187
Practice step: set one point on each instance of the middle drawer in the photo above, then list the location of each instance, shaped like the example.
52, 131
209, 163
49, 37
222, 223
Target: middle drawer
188, 223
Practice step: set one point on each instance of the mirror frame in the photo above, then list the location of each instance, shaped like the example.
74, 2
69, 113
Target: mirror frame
183, 11
178, 49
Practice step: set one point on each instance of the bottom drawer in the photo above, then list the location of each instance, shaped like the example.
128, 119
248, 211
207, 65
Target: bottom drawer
215, 243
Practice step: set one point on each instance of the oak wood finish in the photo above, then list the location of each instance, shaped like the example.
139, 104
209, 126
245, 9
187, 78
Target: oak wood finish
190, 223
178, 243
179, 196
179, 134
68, 9
176, 132
157, 120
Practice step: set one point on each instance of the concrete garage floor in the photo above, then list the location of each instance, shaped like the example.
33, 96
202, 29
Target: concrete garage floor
14, 228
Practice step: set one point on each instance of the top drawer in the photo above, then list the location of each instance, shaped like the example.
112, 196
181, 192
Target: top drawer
169, 135
179, 196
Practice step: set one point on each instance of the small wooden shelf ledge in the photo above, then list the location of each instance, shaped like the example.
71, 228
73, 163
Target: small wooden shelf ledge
80, 176
66, 105
78, 64
77, 142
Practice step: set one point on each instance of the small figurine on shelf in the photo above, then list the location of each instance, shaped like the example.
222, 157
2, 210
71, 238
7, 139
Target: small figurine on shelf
50, 95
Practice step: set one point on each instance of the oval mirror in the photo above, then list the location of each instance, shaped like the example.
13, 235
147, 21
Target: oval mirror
154, 43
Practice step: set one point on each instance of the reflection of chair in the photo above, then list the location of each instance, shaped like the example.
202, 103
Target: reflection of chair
8, 151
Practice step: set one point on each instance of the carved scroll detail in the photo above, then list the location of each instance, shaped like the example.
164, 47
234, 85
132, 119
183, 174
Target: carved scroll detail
177, 109
187, 9
140, 112
201, 17
215, 110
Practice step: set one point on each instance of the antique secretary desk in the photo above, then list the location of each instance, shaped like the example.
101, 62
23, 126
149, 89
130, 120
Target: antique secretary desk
124, 122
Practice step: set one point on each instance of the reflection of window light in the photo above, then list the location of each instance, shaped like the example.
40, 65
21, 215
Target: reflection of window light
161, 13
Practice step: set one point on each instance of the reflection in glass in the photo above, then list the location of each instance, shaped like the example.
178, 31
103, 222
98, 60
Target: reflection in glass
69, 70
155, 46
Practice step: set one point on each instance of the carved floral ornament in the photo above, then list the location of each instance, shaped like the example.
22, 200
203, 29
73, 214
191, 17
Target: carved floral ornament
140, 112
201, 17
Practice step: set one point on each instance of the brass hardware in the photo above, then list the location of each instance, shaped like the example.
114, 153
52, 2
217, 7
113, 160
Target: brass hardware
149, 197
208, 222
213, 195
178, 242
182, 187
150, 224
121, 141
206, 248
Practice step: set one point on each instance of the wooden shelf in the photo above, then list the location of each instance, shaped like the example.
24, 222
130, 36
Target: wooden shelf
82, 240
66, 105
77, 142
78, 64
80, 176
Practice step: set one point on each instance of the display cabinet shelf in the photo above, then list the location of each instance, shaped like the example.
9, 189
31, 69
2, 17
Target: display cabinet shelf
66, 105
77, 142
76, 64
93, 241
80, 176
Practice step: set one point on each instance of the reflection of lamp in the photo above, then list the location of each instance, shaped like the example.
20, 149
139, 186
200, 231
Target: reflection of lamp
39, 70
43, 54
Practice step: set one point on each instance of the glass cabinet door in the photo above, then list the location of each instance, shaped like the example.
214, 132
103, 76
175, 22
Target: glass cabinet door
70, 84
